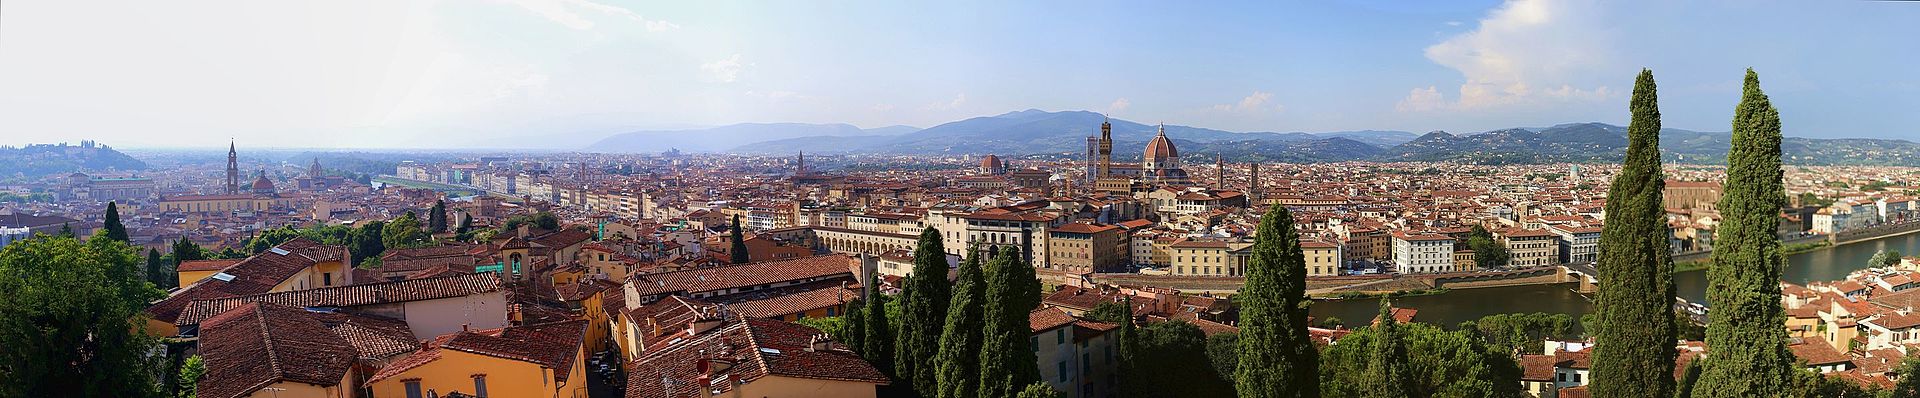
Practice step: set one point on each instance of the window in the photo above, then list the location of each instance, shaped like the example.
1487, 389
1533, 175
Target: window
1034, 342
1060, 336
413, 388
1063, 370
326, 278
480, 386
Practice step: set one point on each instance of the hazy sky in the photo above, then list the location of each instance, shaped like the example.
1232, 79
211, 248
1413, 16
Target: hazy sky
544, 73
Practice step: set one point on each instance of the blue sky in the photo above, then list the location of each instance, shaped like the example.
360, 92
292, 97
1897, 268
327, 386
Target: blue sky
545, 73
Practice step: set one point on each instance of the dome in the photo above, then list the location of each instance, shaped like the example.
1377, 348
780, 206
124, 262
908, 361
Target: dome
262, 184
1161, 147
990, 162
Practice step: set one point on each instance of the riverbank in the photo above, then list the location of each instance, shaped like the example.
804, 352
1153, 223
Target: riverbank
1787, 250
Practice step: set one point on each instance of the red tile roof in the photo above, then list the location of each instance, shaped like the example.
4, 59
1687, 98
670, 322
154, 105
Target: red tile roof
352, 295
206, 265
733, 276
553, 345
755, 348
256, 345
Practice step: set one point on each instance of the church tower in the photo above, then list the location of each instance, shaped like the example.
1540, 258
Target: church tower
1220, 172
800, 164
233, 170
1253, 183
1099, 153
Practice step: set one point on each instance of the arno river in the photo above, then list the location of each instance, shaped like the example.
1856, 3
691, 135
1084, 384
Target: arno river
1455, 306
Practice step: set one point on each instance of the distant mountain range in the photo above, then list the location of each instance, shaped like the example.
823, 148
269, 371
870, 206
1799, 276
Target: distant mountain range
45, 159
1033, 132
723, 138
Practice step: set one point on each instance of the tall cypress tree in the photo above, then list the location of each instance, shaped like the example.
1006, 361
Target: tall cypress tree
1750, 356
878, 342
857, 326
1633, 354
115, 229
923, 311
1387, 366
1007, 361
957, 363
1277, 358
437, 217
155, 274
739, 249
1129, 346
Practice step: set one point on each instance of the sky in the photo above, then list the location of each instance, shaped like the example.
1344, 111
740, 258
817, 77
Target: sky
563, 73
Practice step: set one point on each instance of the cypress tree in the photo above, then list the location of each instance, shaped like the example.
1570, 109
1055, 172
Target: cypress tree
1128, 342
115, 230
923, 311
1277, 358
1749, 356
437, 216
857, 326
154, 273
739, 249
957, 362
878, 342
1007, 361
1387, 366
1633, 352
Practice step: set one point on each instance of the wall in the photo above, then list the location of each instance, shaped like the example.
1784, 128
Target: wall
432, 318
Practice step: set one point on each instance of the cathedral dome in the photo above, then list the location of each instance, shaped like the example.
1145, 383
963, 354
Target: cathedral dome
1161, 147
990, 162
262, 184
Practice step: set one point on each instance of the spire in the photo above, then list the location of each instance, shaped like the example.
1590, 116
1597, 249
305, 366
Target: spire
1163, 129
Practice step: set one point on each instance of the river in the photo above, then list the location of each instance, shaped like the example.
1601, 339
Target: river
1461, 305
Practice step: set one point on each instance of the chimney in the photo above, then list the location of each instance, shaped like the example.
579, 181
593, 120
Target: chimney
819, 342
463, 327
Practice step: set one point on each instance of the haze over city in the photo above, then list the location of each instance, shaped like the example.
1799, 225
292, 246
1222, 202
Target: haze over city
561, 74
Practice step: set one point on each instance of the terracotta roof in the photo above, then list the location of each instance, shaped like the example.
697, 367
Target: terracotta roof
553, 345
1817, 353
256, 345
253, 275
1537, 367
1047, 318
814, 296
733, 276
206, 265
352, 295
755, 348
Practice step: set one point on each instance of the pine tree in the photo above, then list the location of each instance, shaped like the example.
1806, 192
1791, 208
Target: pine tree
923, 311
1007, 361
1277, 358
1387, 366
114, 228
957, 366
739, 239
1749, 357
1633, 353
1909, 384
437, 216
66, 230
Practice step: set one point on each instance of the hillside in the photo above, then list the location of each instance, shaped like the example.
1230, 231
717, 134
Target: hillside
40, 160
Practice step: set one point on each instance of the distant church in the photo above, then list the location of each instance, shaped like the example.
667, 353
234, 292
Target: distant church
1159, 166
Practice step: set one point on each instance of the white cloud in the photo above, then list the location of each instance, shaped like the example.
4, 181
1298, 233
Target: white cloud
949, 105
1519, 48
779, 95
881, 107
1119, 105
723, 71
568, 13
1253, 103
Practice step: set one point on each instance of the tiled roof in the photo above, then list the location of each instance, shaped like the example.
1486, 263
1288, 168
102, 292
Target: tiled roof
256, 345
553, 345
1047, 318
756, 348
352, 295
253, 275
792, 301
732, 276
1537, 367
206, 265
